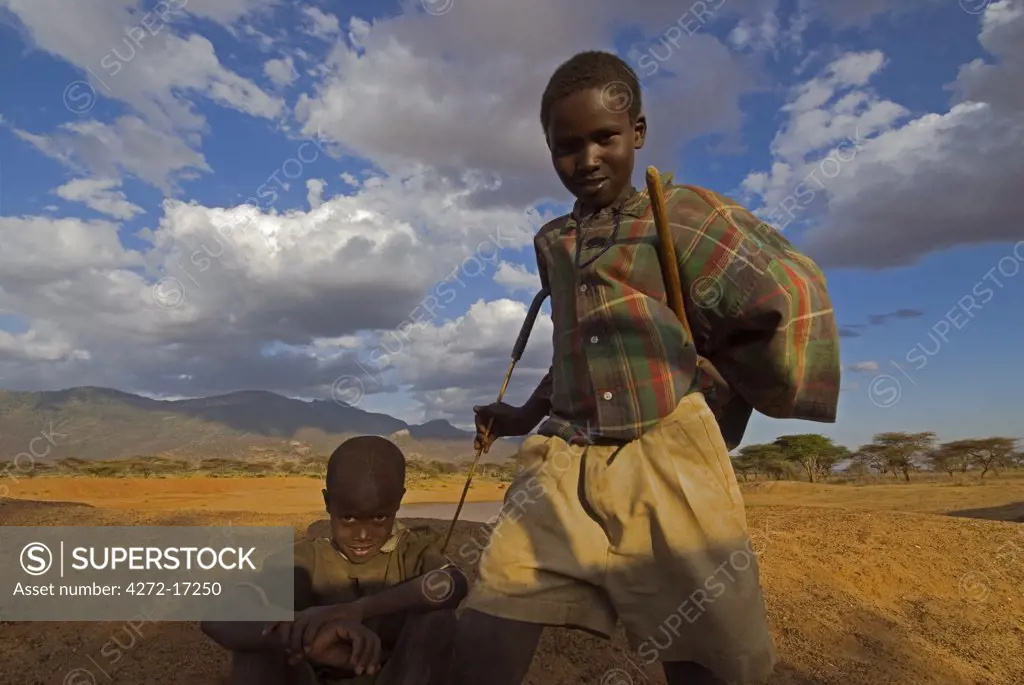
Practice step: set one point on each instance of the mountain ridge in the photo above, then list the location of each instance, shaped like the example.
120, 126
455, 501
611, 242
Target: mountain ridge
92, 422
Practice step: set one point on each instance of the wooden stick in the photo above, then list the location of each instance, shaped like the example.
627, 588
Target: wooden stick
666, 248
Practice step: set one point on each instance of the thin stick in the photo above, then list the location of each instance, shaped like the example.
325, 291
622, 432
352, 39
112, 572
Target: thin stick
517, 353
476, 460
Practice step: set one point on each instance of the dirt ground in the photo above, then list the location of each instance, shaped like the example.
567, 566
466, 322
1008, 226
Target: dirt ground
280, 495
865, 585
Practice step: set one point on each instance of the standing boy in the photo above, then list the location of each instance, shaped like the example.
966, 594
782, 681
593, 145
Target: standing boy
375, 600
626, 505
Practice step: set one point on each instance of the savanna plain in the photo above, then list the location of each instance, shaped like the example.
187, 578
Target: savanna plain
869, 579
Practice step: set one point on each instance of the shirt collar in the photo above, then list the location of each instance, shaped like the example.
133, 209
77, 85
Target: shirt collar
397, 532
631, 203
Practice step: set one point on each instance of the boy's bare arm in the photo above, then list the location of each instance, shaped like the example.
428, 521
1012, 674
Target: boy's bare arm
539, 405
252, 636
242, 636
760, 310
442, 588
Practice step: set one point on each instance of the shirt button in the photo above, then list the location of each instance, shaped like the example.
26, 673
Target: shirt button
583, 288
593, 339
607, 395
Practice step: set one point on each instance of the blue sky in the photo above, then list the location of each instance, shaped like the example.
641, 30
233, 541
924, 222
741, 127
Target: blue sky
388, 147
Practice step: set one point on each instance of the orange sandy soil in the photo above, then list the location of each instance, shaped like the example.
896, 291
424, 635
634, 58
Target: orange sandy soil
279, 495
867, 585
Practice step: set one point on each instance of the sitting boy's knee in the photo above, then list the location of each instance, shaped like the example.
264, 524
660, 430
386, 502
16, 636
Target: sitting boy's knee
441, 618
258, 668
435, 628
434, 624
424, 651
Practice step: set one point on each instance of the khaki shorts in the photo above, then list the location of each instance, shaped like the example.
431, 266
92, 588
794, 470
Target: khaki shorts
652, 533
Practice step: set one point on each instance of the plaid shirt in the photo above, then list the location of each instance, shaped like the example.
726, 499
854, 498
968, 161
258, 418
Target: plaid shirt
759, 312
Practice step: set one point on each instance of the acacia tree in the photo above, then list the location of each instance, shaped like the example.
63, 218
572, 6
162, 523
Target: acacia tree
815, 453
947, 457
777, 468
858, 469
745, 463
761, 459
988, 454
873, 458
901, 452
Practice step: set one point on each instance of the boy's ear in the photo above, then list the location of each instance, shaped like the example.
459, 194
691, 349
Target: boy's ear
639, 132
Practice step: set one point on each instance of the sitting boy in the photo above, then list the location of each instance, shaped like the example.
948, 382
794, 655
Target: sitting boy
375, 601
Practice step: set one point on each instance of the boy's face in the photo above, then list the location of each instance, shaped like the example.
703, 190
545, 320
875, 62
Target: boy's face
593, 146
362, 518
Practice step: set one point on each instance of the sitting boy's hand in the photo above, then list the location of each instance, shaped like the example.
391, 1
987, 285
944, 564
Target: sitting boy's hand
298, 635
507, 420
346, 644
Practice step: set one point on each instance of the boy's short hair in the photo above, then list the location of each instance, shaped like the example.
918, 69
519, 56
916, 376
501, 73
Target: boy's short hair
586, 70
366, 458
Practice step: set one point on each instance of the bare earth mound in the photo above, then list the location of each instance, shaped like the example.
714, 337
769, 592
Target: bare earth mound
854, 597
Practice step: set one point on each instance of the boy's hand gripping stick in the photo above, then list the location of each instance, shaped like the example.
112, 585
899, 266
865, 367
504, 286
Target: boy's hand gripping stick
517, 353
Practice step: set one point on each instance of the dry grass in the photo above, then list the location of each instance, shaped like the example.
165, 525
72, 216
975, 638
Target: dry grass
417, 470
939, 495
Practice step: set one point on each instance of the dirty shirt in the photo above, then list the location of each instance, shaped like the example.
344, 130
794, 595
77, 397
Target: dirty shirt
760, 331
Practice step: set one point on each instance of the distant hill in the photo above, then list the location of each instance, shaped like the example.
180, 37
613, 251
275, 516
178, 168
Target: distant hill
101, 423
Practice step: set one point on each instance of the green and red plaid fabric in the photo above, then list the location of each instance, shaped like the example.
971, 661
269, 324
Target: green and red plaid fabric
759, 312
